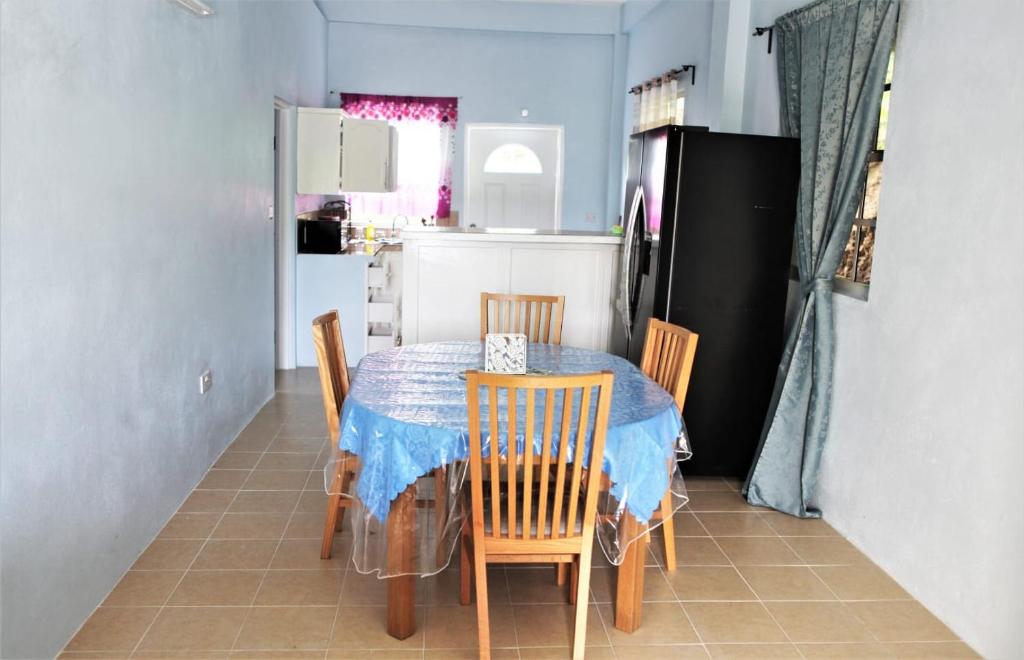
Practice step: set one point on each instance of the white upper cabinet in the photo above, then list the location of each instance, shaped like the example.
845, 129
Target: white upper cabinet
341, 154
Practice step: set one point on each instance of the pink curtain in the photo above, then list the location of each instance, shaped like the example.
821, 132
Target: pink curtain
426, 150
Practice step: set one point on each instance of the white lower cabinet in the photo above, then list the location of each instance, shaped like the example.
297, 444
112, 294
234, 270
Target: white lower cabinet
444, 274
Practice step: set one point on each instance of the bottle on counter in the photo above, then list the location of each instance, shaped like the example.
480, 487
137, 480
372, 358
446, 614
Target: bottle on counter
369, 231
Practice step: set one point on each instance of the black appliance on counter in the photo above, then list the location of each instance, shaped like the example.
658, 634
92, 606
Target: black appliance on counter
708, 243
320, 236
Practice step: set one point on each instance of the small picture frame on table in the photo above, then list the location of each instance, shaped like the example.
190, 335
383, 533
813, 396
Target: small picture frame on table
505, 353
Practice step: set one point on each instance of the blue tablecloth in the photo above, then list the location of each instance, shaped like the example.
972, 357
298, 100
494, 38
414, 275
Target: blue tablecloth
406, 415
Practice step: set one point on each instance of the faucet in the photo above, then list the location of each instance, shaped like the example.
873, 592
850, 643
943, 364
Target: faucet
405, 222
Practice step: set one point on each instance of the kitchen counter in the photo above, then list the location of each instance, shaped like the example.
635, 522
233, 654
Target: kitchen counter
371, 249
509, 235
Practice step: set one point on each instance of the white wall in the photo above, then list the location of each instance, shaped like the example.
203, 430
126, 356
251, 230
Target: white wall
560, 78
923, 467
136, 172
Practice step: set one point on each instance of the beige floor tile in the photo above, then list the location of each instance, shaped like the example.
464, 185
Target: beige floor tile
287, 628
660, 652
733, 622
223, 479
663, 623
301, 588
467, 654
142, 588
207, 501
314, 502
443, 589
297, 445
697, 484
267, 526
735, 524
787, 525
276, 480
715, 501
358, 628
552, 625
686, 524
455, 627
563, 652
826, 550
305, 555
253, 439
183, 655
709, 583
95, 655
818, 622
162, 555
305, 526
753, 651
696, 551
930, 650
237, 460
757, 550
113, 629
217, 588
194, 629
278, 654
861, 582
378, 654
785, 583
287, 461
362, 589
853, 650
266, 501
536, 585
901, 621
306, 427
234, 555
189, 526
604, 579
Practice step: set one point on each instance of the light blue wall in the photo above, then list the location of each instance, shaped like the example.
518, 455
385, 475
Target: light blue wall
561, 78
330, 281
135, 252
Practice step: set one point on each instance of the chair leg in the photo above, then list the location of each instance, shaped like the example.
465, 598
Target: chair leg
329, 525
483, 623
333, 505
561, 571
574, 579
668, 529
343, 481
465, 570
579, 638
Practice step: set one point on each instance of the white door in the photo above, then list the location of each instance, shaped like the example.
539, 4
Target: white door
513, 176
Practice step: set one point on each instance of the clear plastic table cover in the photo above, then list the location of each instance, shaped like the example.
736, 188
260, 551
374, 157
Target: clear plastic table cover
404, 430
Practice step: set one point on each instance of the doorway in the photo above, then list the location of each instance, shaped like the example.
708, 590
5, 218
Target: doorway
514, 176
284, 235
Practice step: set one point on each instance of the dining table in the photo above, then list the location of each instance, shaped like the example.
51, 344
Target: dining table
404, 426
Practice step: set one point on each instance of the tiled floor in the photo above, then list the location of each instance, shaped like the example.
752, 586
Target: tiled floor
236, 573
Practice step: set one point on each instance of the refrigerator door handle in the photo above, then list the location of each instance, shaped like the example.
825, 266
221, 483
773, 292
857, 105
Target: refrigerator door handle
628, 284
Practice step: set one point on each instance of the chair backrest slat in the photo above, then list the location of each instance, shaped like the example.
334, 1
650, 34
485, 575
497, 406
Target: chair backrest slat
668, 356
333, 368
513, 313
577, 425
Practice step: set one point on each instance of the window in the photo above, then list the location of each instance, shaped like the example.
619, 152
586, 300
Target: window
513, 158
855, 265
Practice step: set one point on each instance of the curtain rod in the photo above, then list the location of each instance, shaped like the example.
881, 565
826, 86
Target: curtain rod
334, 93
671, 73
770, 29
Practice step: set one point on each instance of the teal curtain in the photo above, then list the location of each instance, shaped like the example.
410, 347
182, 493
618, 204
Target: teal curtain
832, 59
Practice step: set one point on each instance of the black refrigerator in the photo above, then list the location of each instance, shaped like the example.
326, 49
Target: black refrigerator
708, 244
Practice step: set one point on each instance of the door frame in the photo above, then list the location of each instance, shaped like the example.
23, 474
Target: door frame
559, 170
284, 234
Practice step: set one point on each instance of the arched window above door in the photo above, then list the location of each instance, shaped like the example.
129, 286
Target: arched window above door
513, 158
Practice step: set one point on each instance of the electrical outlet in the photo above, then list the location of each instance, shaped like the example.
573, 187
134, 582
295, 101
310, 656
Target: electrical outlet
205, 381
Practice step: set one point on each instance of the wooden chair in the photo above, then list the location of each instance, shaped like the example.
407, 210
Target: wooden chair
538, 317
334, 384
668, 360
535, 527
